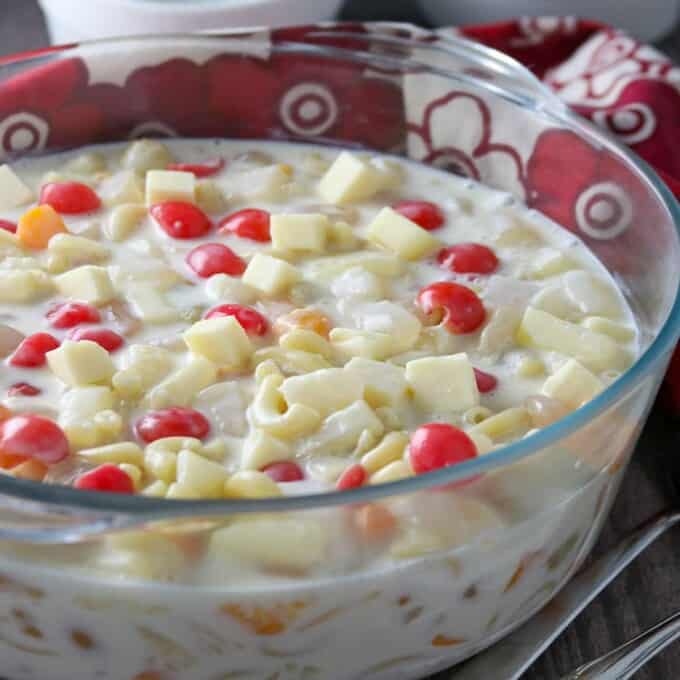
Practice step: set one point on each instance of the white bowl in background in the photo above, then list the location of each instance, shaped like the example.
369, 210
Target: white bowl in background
76, 20
646, 20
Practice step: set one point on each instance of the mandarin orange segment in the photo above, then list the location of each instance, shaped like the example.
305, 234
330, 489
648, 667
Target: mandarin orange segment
37, 226
305, 319
374, 522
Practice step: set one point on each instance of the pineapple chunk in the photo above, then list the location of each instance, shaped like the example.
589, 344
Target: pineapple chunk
210, 198
146, 154
13, 192
270, 275
122, 188
384, 384
222, 340
286, 543
553, 299
150, 304
350, 178
591, 294
595, 351
614, 330
340, 432
88, 283
200, 475
306, 232
549, 262
170, 185
80, 363
325, 391
395, 232
121, 452
180, 387
366, 344
81, 403
327, 268
260, 449
389, 318
123, 220
146, 366
75, 250
225, 288
572, 384
444, 383
21, 286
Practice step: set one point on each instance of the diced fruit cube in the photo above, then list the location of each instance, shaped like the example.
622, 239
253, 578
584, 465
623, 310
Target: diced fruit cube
146, 366
222, 287
251, 484
350, 178
549, 262
123, 220
125, 187
81, 403
13, 192
443, 384
88, 283
220, 339
591, 295
306, 233
391, 319
572, 384
150, 304
170, 185
180, 387
395, 232
384, 384
37, 226
286, 543
200, 475
261, 448
270, 275
326, 391
595, 351
210, 197
80, 363
75, 250
252, 322
19, 286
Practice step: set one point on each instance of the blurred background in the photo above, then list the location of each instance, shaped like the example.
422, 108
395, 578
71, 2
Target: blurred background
23, 26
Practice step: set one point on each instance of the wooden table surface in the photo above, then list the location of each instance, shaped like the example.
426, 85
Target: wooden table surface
647, 591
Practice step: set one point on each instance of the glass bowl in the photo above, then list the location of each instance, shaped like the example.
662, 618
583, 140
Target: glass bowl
135, 588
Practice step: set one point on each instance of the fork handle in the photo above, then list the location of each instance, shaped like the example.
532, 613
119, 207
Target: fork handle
624, 661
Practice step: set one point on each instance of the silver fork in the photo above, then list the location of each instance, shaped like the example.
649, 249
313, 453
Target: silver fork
624, 661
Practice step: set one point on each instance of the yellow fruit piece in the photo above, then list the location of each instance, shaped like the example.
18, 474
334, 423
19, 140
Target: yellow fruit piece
395, 232
37, 226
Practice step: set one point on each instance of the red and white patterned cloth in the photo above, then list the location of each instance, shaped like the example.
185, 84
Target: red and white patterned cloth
630, 89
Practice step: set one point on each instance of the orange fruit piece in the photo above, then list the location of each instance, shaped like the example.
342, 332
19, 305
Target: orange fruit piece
37, 226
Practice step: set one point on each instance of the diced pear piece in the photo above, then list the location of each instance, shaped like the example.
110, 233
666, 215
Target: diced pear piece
355, 343
286, 543
170, 185
549, 262
88, 283
591, 295
251, 484
200, 475
554, 300
147, 154
499, 332
395, 232
304, 233
391, 319
180, 387
225, 288
80, 363
122, 188
443, 384
595, 351
13, 192
21, 286
146, 366
261, 448
123, 220
210, 198
572, 384
325, 391
74, 250
150, 304
350, 178
221, 339
384, 384
340, 432
381, 264
614, 330
270, 275
81, 403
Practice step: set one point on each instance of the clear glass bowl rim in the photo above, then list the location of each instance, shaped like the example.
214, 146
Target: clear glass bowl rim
68, 501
